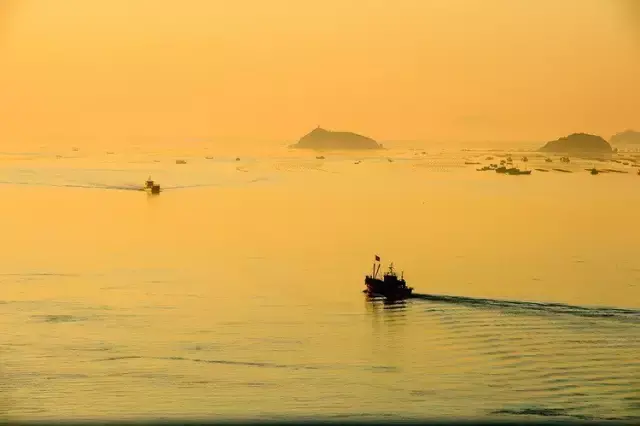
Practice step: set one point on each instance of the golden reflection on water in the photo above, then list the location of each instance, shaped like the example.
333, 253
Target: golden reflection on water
212, 299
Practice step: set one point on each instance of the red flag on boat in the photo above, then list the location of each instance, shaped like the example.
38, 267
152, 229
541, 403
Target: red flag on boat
377, 258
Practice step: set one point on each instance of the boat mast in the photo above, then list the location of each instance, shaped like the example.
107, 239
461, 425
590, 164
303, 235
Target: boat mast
375, 271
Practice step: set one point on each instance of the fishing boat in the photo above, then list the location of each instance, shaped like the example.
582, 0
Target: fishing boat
151, 187
512, 171
594, 171
517, 171
389, 285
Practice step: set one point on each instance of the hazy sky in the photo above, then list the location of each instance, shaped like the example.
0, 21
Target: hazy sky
113, 70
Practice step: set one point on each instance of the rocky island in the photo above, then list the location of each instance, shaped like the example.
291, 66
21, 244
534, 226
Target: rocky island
629, 137
578, 143
321, 139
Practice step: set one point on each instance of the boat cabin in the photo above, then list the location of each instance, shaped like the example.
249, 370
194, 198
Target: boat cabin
149, 183
390, 277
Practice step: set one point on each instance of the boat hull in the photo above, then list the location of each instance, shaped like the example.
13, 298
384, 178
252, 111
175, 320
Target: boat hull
155, 189
376, 287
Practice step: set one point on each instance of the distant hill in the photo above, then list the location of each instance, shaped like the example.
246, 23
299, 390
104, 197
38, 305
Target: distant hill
321, 139
626, 137
578, 143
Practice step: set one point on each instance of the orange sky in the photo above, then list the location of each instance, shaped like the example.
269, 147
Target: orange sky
241, 70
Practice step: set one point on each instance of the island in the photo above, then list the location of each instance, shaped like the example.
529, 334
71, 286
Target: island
321, 139
630, 137
578, 143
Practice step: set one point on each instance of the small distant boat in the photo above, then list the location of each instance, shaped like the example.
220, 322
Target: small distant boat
594, 171
151, 187
237, 158
565, 159
181, 162
525, 159
548, 160
517, 171
471, 163
389, 285
512, 171
320, 157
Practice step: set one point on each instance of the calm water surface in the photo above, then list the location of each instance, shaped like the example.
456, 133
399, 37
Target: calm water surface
237, 292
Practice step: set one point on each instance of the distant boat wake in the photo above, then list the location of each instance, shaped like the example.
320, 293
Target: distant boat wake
122, 187
550, 308
70, 185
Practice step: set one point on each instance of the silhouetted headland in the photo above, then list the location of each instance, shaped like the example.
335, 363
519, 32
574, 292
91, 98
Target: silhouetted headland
321, 139
578, 143
626, 137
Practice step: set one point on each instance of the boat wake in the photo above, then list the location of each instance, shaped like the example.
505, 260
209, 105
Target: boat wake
204, 185
119, 187
71, 185
536, 307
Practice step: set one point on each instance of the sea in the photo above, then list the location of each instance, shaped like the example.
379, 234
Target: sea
236, 293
